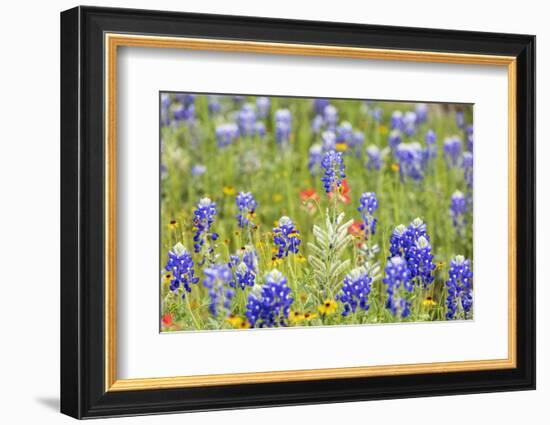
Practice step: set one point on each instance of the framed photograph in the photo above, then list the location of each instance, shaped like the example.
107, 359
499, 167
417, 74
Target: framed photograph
261, 212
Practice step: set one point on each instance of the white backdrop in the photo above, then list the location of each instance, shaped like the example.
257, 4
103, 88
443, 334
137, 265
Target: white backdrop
29, 225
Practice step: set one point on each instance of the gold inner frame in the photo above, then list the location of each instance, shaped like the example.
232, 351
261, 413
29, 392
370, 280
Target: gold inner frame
113, 41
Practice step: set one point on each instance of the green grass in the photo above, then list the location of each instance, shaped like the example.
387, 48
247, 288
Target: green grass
276, 176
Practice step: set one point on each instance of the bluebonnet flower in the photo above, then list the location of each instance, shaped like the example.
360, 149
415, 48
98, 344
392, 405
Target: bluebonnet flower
459, 289
198, 170
421, 113
283, 126
396, 122
333, 165
180, 271
376, 114
244, 265
214, 106
431, 137
344, 133
216, 279
430, 151
259, 129
262, 105
328, 138
185, 111
269, 304
237, 100
246, 120
452, 148
357, 140
247, 205
315, 157
410, 159
469, 131
458, 210
403, 237
165, 109
468, 167
374, 156
330, 115
420, 261
319, 105
286, 237
317, 124
203, 219
355, 291
368, 205
409, 123
460, 122
398, 281
226, 134
394, 138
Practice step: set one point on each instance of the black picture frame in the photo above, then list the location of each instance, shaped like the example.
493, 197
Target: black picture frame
83, 392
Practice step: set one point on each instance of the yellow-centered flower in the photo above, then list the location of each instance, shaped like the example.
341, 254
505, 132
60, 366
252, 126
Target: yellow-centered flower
173, 224
395, 167
383, 130
300, 258
429, 302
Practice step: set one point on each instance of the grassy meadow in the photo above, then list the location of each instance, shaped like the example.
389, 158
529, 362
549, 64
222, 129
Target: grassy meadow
279, 212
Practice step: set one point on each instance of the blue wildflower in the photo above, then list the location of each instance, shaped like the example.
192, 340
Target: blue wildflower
410, 159
216, 279
452, 148
226, 134
459, 289
203, 219
469, 131
185, 111
376, 114
198, 170
247, 205
283, 126
409, 123
357, 140
368, 205
394, 138
317, 124
468, 167
269, 304
398, 282
180, 271
262, 105
286, 237
403, 237
396, 121
315, 157
344, 133
458, 210
244, 265
460, 121
319, 105
333, 165
374, 156
259, 129
246, 120
330, 115
430, 137
420, 261
214, 106
421, 111
328, 139
355, 291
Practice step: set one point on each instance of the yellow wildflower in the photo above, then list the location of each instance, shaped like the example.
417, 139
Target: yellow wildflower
300, 258
229, 190
429, 302
309, 316
173, 224
295, 317
395, 167
277, 197
328, 307
383, 130
341, 147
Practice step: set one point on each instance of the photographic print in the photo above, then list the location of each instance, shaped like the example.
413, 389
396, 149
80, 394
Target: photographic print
280, 212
